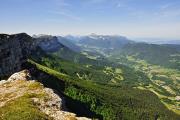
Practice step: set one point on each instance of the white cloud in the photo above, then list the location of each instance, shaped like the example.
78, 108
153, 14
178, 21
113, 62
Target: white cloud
165, 6
67, 15
62, 8
169, 10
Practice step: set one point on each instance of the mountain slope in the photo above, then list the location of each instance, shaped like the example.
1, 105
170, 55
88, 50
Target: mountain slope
127, 102
61, 48
69, 44
160, 63
49, 43
166, 56
99, 43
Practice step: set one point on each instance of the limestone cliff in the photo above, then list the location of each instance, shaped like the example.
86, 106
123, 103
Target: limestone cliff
23, 98
14, 49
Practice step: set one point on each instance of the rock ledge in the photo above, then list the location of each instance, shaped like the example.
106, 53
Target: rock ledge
20, 84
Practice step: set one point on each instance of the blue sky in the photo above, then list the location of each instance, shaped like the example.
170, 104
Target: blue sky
131, 18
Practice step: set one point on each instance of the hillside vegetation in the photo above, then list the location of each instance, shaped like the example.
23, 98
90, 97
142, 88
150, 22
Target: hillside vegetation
122, 75
127, 102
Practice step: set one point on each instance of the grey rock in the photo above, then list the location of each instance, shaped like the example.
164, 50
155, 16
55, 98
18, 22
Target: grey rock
14, 51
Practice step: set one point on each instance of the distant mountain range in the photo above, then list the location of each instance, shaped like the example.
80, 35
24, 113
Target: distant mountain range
101, 41
157, 41
176, 42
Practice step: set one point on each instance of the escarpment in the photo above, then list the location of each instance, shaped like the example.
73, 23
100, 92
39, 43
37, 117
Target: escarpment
14, 51
21, 96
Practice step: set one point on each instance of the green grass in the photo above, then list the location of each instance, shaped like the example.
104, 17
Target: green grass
22, 109
35, 86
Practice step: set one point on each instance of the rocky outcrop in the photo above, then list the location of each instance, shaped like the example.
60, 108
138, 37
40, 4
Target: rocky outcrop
44, 99
14, 50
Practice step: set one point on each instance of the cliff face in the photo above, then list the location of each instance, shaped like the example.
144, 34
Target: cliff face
23, 98
14, 49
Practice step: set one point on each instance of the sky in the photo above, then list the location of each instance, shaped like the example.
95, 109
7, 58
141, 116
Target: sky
131, 18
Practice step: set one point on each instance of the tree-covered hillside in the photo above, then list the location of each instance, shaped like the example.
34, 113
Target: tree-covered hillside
93, 83
167, 56
95, 100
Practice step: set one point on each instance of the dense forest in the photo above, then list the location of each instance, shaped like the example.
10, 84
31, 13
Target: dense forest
96, 99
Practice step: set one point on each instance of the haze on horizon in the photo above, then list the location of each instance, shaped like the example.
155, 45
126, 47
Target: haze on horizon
130, 18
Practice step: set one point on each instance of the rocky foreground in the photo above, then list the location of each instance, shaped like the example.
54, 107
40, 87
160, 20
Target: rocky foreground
24, 98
